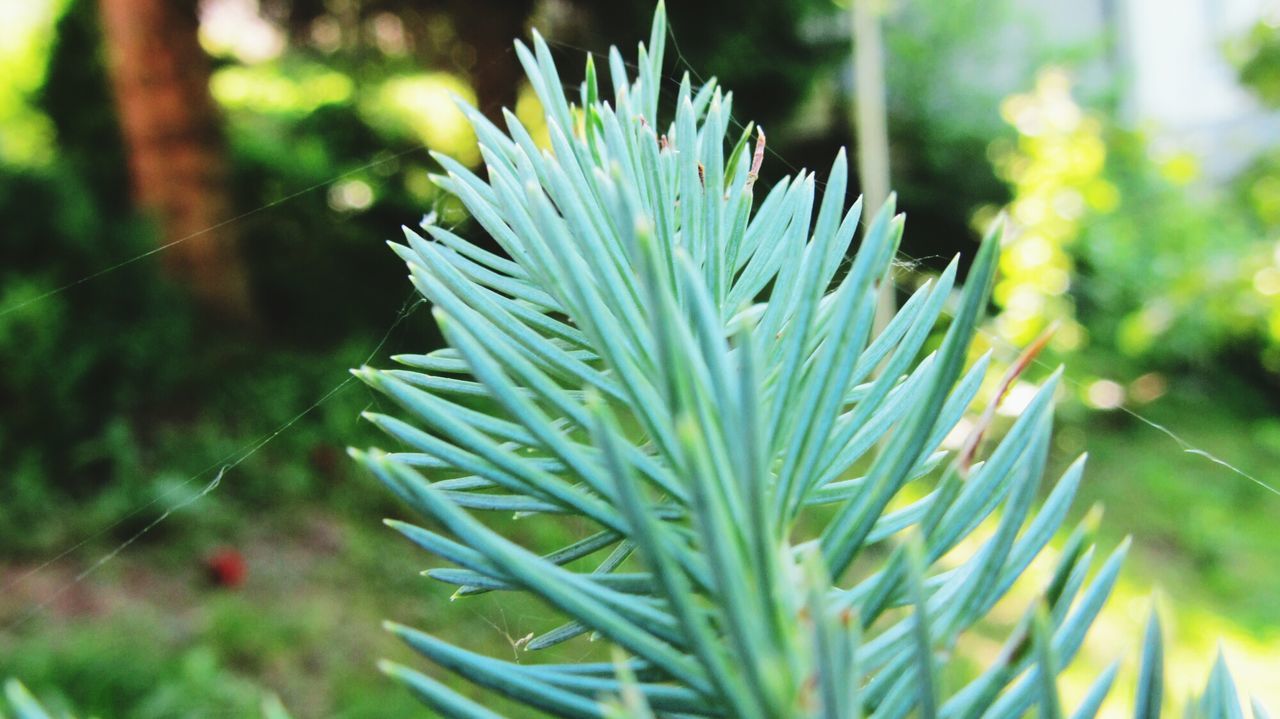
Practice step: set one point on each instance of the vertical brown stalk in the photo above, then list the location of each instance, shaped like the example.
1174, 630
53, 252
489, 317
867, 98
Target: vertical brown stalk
871, 125
177, 154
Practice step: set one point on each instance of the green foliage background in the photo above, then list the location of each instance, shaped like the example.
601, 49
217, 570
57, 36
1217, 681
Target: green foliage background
116, 393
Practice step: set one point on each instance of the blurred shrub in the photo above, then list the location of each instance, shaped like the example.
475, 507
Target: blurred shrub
26, 32
1125, 246
334, 148
1257, 55
75, 361
942, 117
157, 681
1055, 169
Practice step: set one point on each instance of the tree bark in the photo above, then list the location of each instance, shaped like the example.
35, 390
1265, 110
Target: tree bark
490, 27
177, 155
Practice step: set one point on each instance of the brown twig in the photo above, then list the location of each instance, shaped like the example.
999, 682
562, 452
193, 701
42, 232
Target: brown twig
971, 443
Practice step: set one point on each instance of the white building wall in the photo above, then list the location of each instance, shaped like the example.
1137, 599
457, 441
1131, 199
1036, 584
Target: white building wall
1180, 87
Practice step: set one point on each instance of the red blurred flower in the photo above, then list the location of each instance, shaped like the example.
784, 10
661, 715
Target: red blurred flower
226, 567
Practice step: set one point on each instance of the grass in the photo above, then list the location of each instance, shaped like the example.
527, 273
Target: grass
1203, 533
151, 636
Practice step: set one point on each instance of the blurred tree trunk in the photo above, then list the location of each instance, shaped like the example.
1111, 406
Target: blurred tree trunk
871, 127
490, 27
177, 154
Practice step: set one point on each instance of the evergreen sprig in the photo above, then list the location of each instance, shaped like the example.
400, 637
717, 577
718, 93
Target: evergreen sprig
697, 378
